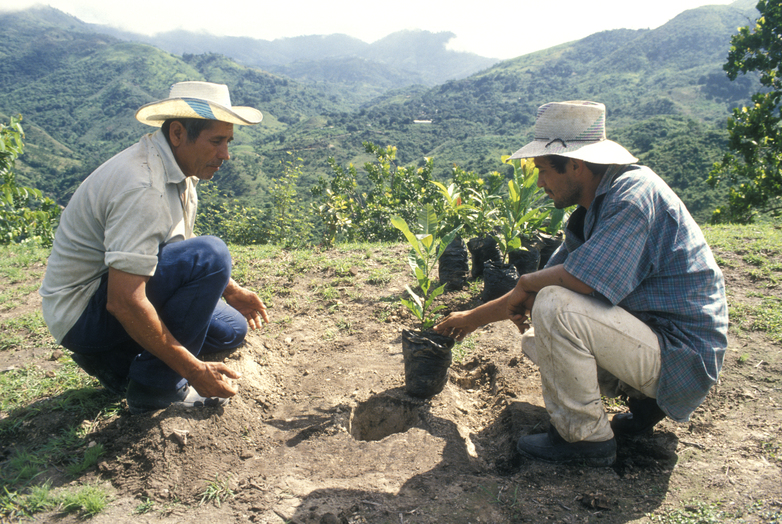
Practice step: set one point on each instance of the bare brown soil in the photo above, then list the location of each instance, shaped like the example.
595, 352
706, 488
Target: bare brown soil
323, 432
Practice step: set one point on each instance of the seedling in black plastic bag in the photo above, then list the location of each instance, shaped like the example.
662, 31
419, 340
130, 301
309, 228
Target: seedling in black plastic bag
427, 248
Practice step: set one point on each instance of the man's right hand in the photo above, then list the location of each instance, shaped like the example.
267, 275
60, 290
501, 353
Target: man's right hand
127, 301
210, 380
457, 325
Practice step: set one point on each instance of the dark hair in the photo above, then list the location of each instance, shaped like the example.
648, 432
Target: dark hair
559, 163
193, 126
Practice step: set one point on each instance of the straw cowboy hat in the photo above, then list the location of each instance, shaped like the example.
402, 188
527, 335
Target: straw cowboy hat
576, 130
197, 100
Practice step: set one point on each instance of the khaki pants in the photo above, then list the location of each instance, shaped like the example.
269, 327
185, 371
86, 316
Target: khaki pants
585, 347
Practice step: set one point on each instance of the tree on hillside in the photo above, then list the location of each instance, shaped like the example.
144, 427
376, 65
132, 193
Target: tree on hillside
753, 167
25, 214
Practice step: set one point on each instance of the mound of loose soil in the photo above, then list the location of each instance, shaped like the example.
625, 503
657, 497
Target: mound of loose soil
322, 431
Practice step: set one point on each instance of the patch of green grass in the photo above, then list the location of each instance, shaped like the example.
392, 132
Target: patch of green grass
329, 293
694, 513
722, 262
88, 501
22, 467
144, 507
14, 505
345, 325
383, 313
12, 296
24, 475
216, 492
21, 387
765, 317
772, 451
252, 263
379, 276
462, 349
17, 259
28, 393
753, 259
25, 331
761, 240
90, 459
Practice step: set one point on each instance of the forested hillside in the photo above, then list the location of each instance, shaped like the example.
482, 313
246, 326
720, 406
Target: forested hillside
666, 93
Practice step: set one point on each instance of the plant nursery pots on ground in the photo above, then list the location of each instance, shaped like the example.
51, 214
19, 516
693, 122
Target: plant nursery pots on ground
427, 357
482, 249
454, 268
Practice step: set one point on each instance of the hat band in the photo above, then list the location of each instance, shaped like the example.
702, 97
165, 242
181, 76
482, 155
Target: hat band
202, 109
564, 144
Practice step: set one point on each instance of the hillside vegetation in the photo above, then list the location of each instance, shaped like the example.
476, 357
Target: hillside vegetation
665, 90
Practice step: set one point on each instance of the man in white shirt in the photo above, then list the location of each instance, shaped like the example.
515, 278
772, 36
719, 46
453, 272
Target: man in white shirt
129, 288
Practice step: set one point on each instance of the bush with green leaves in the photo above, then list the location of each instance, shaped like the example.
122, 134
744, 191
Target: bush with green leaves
753, 167
284, 222
354, 215
483, 197
25, 214
228, 219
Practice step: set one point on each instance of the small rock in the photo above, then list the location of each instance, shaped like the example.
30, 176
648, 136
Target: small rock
57, 354
180, 435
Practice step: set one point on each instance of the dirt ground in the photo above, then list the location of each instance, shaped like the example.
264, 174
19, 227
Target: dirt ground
322, 431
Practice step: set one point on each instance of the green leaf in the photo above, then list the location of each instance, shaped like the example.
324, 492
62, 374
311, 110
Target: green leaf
401, 225
415, 297
427, 219
414, 308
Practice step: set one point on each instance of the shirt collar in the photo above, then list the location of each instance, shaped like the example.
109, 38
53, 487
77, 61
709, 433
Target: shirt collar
173, 173
611, 174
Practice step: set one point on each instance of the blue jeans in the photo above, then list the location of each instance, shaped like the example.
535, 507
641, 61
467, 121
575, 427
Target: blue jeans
186, 288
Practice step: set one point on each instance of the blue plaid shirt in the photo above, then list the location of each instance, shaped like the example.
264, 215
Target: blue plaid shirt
638, 247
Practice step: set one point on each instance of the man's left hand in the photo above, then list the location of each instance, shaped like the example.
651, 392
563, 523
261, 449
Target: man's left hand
247, 303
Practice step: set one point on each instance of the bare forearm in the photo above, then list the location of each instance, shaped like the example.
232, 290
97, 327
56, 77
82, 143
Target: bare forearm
127, 301
231, 288
143, 324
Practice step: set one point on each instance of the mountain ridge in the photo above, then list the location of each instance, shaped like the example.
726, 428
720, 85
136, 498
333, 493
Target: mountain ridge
665, 90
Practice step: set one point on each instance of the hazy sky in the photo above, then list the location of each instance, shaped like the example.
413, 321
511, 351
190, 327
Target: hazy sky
492, 28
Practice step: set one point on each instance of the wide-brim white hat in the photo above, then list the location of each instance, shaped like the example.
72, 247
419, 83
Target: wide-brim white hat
575, 129
197, 100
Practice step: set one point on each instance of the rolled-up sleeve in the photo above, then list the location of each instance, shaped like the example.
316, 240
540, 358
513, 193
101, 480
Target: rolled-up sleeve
137, 224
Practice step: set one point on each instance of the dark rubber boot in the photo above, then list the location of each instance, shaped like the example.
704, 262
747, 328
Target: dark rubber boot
643, 416
551, 447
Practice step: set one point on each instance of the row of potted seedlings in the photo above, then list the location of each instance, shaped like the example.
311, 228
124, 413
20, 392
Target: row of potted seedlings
514, 235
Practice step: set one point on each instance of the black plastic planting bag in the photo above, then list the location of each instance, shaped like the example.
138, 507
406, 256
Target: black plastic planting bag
525, 260
481, 250
453, 267
547, 245
427, 358
498, 279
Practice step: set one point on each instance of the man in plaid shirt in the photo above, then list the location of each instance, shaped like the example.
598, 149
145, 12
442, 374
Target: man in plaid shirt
632, 303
